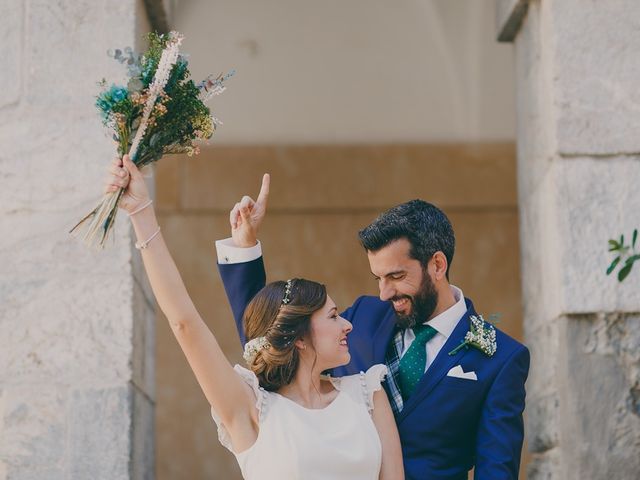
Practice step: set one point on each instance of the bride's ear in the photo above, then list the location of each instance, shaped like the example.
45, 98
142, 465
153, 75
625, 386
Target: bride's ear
300, 344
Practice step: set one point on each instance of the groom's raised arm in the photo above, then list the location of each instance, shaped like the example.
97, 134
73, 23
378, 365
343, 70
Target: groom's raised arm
243, 275
240, 257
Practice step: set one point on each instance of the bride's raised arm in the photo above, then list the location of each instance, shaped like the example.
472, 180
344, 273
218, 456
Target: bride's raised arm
228, 394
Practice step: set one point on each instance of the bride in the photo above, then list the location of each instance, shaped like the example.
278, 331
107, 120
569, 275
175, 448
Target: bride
281, 418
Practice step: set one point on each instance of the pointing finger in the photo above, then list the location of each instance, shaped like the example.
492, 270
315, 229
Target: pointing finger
263, 196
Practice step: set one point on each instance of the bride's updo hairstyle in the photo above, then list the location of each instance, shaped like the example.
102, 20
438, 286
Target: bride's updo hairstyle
282, 318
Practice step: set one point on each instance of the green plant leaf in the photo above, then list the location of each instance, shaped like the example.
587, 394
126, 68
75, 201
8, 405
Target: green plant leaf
635, 237
622, 240
613, 265
613, 245
632, 259
624, 271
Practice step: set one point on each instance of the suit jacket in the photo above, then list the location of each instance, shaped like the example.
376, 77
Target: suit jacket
448, 425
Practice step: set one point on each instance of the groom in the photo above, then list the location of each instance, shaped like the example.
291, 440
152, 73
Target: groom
456, 408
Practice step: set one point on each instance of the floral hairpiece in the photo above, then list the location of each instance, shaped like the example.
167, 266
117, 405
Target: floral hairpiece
287, 292
252, 347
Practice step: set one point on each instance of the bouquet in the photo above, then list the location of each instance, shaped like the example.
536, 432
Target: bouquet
160, 110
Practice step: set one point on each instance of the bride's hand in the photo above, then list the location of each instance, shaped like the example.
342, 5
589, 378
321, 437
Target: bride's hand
247, 215
124, 174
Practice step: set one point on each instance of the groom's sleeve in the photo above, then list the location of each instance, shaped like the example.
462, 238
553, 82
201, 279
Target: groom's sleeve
501, 429
243, 275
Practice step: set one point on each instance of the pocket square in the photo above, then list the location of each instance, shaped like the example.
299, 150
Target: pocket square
457, 372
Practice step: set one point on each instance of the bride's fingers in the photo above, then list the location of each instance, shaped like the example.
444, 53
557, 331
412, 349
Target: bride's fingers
118, 171
110, 188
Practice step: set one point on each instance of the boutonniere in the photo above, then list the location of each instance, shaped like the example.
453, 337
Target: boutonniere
481, 335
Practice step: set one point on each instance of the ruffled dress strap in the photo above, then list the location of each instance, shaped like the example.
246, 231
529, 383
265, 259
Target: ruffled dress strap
261, 404
362, 386
373, 379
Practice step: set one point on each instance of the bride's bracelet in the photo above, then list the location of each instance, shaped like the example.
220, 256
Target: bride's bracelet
141, 208
145, 244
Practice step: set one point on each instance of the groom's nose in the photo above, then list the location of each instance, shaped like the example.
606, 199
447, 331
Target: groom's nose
387, 292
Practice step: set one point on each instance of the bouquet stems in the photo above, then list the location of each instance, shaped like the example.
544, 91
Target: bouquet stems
97, 224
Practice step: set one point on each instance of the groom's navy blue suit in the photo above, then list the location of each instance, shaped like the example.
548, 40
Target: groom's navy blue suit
448, 425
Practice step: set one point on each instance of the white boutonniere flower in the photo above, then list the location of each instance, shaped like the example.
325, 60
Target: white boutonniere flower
481, 335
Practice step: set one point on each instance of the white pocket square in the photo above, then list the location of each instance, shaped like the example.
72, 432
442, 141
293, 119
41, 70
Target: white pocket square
457, 372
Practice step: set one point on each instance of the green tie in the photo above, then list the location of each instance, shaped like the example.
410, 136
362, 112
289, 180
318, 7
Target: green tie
414, 360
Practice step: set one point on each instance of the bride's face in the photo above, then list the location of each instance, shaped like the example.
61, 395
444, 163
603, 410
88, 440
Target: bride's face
329, 333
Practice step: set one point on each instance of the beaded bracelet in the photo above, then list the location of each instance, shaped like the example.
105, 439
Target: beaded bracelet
141, 208
143, 245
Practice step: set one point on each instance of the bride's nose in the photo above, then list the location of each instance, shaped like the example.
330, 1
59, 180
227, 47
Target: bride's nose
347, 325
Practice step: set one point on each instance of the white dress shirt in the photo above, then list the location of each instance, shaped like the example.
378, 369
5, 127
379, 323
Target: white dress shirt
443, 323
229, 253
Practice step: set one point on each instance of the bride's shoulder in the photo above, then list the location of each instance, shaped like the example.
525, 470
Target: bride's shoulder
361, 386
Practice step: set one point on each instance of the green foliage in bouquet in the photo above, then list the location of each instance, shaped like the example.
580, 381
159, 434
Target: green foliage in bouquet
625, 255
160, 111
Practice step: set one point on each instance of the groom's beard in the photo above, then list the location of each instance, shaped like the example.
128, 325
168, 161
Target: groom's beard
422, 304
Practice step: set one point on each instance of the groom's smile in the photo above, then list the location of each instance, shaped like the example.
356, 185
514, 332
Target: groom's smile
402, 305
404, 283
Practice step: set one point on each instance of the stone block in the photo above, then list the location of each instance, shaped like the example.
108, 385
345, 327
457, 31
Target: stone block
599, 360
67, 36
143, 437
143, 351
596, 201
353, 177
547, 467
33, 420
86, 337
541, 286
99, 433
595, 72
542, 422
11, 41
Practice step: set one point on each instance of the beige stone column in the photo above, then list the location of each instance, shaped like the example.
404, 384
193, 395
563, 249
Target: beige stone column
76, 326
577, 70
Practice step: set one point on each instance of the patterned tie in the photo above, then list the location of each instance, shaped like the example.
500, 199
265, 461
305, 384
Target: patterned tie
414, 360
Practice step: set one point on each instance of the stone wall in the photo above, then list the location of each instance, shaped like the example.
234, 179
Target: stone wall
76, 326
321, 196
578, 175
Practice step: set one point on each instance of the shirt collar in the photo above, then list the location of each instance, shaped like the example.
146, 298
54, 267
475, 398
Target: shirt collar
446, 322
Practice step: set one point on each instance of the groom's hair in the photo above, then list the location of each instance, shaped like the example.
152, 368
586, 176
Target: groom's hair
424, 225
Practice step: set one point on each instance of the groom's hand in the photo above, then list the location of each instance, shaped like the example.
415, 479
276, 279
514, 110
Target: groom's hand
247, 215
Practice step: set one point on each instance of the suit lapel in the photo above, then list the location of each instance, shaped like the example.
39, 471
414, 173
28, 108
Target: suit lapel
383, 336
442, 363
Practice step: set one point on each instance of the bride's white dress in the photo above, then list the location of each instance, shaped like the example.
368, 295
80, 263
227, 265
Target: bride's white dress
338, 442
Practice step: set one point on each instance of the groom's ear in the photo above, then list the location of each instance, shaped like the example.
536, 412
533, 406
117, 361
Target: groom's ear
438, 266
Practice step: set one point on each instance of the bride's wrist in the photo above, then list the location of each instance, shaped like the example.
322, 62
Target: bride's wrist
142, 205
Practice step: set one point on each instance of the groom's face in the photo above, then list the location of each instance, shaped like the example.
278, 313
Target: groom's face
404, 283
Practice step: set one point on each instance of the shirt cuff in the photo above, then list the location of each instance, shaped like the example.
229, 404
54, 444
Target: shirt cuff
229, 253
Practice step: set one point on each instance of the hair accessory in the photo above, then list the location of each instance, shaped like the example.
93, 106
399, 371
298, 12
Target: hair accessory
287, 292
252, 347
